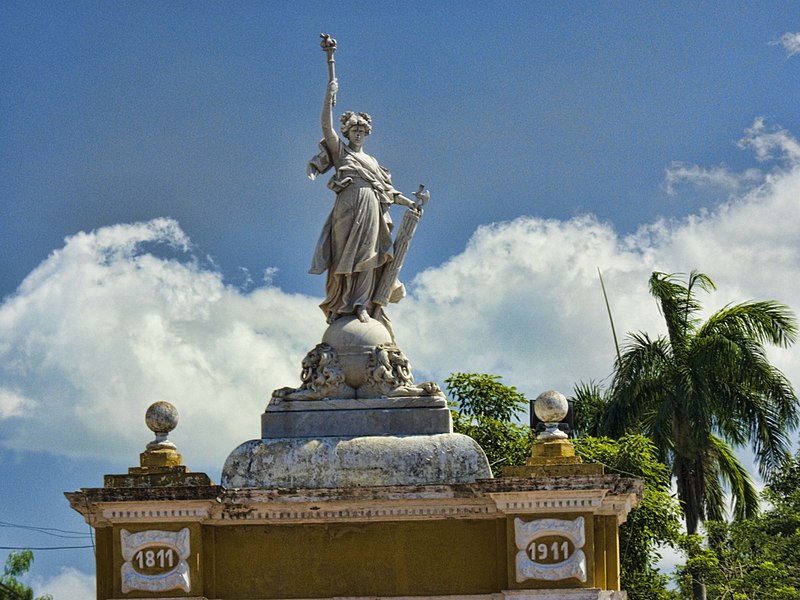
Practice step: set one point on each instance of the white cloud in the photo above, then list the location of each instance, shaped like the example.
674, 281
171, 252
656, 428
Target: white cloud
524, 300
790, 42
12, 404
103, 328
721, 177
772, 142
768, 143
69, 584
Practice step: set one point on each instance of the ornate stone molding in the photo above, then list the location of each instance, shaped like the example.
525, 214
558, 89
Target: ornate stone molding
553, 501
484, 499
618, 506
308, 514
168, 512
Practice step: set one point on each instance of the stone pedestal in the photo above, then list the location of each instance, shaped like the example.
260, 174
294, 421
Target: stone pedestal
368, 494
553, 458
351, 417
333, 462
358, 419
350, 442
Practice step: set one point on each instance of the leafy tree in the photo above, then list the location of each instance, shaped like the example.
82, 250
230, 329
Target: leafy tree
757, 558
486, 407
17, 564
703, 389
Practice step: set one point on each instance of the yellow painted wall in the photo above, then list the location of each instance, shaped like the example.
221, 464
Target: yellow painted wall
313, 560
385, 559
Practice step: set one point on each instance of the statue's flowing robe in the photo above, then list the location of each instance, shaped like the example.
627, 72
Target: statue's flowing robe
356, 241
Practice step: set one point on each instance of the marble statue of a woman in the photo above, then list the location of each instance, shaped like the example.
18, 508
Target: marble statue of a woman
355, 245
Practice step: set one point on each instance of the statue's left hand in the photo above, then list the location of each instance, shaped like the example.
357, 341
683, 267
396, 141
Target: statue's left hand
408, 203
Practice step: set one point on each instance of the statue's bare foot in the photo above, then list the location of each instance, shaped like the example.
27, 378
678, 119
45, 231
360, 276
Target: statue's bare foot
362, 314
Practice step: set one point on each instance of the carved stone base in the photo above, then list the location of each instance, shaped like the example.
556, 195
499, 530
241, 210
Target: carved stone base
356, 360
420, 415
329, 462
553, 458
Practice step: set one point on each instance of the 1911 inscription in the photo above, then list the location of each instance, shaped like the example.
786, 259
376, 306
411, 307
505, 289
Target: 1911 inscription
550, 550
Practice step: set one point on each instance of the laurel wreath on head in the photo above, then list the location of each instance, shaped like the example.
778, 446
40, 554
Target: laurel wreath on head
351, 119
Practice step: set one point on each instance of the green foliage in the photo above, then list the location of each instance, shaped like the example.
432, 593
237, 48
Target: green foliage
590, 404
17, 564
705, 389
504, 443
755, 558
481, 395
486, 408
654, 523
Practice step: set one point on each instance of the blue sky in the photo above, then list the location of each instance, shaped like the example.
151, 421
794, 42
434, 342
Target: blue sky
555, 138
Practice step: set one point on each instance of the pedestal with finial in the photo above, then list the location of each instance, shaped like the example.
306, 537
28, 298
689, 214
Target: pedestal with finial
552, 454
160, 464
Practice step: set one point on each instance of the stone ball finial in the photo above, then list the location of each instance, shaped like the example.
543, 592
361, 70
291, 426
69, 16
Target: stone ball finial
551, 407
161, 417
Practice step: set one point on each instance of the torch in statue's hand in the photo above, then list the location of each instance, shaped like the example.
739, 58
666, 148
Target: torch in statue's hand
328, 45
422, 195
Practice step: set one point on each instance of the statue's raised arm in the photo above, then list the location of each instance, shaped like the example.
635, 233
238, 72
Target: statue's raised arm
328, 45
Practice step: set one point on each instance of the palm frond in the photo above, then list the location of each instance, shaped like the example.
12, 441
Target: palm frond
714, 498
590, 405
748, 397
705, 389
738, 480
637, 382
768, 322
678, 303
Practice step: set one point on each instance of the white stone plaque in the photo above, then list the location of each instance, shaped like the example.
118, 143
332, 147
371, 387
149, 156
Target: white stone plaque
550, 549
155, 561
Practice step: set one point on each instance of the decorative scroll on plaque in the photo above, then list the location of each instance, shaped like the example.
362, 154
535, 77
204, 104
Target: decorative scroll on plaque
155, 561
550, 549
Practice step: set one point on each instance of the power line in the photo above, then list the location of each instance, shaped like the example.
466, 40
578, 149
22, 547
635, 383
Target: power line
42, 547
61, 533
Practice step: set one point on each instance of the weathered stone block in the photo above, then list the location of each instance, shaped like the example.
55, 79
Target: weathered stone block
332, 462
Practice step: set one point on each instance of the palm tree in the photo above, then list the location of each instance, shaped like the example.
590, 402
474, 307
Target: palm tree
705, 389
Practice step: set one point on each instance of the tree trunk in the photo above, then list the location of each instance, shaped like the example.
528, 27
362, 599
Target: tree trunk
698, 587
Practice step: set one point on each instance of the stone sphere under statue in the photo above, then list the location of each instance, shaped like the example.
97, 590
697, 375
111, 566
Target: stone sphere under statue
161, 417
551, 406
354, 341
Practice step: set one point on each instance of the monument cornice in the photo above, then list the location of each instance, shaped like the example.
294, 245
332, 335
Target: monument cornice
216, 505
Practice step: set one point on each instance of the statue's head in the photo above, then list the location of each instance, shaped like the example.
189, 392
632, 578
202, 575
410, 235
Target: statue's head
351, 119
